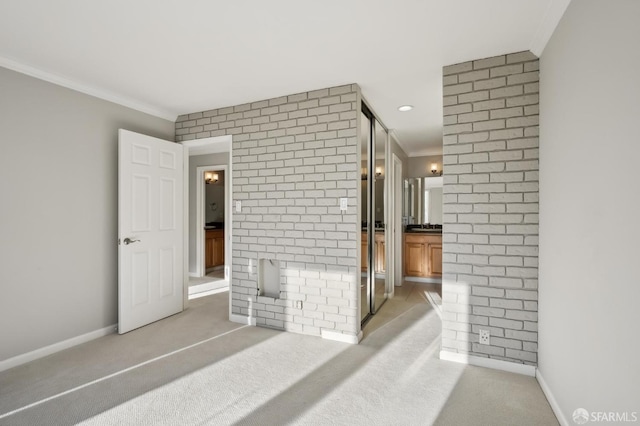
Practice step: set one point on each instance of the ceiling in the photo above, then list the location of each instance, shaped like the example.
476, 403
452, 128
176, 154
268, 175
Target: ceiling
173, 57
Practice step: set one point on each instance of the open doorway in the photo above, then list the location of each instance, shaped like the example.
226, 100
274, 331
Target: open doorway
207, 276
209, 216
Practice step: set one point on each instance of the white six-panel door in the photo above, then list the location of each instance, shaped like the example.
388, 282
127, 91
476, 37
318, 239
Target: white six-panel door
150, 229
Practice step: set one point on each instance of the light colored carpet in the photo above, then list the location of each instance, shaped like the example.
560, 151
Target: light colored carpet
257, 376
212, 283
212, 276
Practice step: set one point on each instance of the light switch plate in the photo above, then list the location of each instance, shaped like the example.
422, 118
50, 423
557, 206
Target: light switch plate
238, 206
344, 204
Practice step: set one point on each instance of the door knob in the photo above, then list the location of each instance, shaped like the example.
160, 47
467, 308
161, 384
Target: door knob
128, 241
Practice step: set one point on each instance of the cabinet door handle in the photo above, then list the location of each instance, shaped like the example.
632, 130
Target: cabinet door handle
128, 241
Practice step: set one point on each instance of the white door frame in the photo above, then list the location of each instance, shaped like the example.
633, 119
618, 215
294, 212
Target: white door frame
214, 145
396, 166
388, 214
201, 214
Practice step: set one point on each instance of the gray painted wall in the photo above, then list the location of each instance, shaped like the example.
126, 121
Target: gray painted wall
399, 152
421, 166
590, 209
196, 161
58, 227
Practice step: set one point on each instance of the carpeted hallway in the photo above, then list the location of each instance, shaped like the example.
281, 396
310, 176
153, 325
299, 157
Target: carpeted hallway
196, 368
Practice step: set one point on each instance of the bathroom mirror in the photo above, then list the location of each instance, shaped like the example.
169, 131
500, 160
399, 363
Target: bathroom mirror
423, 200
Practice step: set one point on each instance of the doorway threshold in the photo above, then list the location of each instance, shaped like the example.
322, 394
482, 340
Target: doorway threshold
207, 289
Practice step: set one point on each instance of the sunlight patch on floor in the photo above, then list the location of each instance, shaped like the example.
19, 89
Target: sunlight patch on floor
116, 374
380, 390
233, 387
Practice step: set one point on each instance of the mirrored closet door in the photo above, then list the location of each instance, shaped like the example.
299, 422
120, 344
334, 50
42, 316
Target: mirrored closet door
373, 142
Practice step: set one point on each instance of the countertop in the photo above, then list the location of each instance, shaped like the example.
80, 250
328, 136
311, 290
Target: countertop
412, 231
424, 231
213, 225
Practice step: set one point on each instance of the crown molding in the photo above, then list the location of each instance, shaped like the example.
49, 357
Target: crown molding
548, 24
427, 152
86, 89
424, 152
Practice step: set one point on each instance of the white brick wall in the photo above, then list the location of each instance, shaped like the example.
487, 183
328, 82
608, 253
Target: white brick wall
293, 157
490, 240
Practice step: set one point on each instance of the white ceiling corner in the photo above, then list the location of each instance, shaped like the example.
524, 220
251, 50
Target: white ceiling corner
171, 58
548, 24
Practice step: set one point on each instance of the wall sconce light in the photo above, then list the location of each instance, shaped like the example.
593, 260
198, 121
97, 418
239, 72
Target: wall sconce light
210, 177
434, 169
378, 171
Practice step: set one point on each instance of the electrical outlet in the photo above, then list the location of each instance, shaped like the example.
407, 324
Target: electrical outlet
298, 304
485, 337
343, 204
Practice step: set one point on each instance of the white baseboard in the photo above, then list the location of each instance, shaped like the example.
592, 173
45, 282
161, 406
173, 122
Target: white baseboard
496, 364
212, 287
241, 319
56, 347
340, 337
194, 274
207, 292
436, 301
552, 400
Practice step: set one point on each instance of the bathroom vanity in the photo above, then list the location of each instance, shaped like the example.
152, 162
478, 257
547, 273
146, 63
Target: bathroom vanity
422, 254
422, 215
214, 247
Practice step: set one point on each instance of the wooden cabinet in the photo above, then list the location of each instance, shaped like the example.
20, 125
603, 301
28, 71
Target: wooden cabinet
214, 248
379, 262
435, 258
363, 246
422, 255
414, 259
218, 251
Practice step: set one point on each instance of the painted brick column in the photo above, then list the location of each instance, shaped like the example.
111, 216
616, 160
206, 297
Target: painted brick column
490, 239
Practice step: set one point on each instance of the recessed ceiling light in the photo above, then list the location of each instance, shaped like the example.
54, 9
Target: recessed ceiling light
404, 108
